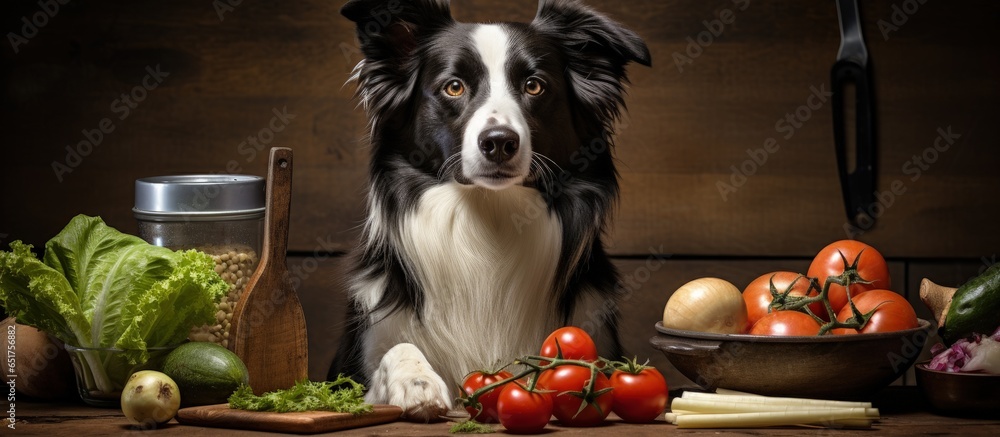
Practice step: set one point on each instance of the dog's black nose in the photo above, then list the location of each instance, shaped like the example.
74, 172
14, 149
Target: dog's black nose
499, 144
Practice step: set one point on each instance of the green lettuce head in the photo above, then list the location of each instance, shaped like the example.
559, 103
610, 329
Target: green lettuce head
99, 288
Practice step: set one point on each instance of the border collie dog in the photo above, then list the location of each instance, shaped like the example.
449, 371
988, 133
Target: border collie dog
492, 182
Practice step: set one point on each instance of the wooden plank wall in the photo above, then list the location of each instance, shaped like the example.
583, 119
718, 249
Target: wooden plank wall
275, 71
686, 129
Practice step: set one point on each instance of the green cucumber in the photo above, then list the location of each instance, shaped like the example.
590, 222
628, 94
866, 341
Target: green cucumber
974, 308
205, 373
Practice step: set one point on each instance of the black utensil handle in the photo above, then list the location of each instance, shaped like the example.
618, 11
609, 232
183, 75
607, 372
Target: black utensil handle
858, 187
852, 42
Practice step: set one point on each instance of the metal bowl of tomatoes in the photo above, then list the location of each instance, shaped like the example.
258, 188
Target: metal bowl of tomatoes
850, 367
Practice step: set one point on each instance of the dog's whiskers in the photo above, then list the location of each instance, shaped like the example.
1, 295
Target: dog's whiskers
543, 171
544, 165
547, 159
448, 164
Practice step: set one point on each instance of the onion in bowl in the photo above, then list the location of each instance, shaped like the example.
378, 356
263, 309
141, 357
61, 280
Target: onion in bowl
707, 305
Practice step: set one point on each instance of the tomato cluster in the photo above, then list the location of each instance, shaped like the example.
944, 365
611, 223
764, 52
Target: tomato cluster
567, 380
771, 297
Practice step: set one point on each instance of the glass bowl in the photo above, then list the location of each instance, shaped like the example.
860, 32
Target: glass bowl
101, 373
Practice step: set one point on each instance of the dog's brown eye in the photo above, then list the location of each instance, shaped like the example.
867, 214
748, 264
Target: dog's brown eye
454, 88
534, 86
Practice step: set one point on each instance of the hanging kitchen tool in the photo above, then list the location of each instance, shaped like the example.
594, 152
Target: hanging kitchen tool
858, 187
268, 329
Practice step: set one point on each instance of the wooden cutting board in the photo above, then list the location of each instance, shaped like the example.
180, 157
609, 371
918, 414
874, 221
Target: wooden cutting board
308, 422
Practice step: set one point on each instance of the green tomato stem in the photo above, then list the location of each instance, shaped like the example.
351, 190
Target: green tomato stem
534, 369
850, 276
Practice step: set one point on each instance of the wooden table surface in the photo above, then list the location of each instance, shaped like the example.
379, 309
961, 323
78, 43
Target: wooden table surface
902, 409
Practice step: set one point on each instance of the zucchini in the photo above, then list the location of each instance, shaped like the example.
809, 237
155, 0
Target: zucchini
205, 373
974, 308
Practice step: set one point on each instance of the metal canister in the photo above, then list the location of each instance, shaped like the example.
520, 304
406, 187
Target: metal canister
220, 215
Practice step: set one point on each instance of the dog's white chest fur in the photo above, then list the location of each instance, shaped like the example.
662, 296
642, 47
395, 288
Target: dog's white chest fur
486, 261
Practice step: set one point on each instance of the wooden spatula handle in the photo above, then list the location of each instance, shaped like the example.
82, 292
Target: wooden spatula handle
279, 201
268, 330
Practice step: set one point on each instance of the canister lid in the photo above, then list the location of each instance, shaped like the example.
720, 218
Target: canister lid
199, 197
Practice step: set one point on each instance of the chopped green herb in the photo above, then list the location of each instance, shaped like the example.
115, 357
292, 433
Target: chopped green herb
305, 396
472, 427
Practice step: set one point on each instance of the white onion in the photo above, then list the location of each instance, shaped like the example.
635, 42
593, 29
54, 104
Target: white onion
707, 305
150, 398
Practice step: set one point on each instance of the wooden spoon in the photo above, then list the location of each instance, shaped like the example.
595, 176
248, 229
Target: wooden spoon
268, 329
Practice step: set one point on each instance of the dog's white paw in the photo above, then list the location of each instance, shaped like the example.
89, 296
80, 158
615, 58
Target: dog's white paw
405, 379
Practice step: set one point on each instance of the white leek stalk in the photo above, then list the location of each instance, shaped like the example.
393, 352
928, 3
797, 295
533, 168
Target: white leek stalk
764, 419
757, 399
709, 406
745, 410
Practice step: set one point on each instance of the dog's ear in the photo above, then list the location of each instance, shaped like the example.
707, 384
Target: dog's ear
390, 28
597, 50
389, 32
591, 34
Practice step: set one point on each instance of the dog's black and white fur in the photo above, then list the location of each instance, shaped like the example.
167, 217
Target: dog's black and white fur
492, 182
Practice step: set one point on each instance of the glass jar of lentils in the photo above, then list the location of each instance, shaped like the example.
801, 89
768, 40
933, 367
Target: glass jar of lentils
221, 215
